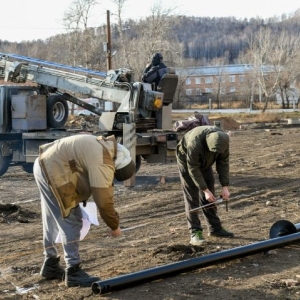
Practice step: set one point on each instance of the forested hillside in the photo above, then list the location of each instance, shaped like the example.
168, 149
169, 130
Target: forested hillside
184, 41
209, 38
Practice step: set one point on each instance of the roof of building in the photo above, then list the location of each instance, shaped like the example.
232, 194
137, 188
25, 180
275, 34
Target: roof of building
219, 70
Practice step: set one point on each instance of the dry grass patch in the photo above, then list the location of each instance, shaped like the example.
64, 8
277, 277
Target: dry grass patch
244, 117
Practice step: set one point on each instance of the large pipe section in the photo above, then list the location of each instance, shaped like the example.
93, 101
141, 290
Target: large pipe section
126, 281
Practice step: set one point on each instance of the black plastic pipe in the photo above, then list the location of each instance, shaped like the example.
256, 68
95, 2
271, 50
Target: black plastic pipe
126, 281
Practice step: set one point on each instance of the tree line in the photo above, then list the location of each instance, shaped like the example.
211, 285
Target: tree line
184, 42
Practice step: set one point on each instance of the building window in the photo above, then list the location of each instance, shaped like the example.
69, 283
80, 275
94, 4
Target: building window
208, 80
232, 89
188, 81
189, 92
221, 79
232, 78
198, 80
242, 78
198, 92
208, 90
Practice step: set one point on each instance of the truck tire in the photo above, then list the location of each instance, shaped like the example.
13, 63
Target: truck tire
4, 164
28, 168
57, 111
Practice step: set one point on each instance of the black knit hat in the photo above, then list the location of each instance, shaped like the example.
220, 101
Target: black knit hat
156, 59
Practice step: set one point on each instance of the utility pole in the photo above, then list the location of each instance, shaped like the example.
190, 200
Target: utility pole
108, 45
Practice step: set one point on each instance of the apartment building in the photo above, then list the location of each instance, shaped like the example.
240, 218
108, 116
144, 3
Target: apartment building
216, 80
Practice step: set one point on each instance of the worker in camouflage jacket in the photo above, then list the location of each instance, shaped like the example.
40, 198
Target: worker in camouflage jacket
68, 171
198, 150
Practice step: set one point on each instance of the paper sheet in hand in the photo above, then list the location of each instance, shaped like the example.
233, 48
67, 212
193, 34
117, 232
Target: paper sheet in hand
89, 216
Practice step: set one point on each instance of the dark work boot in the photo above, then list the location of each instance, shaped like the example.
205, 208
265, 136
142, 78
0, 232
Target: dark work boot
75, 276
51, 269
221, 233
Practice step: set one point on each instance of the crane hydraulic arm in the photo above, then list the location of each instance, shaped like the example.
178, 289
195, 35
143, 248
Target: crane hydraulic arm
134, 100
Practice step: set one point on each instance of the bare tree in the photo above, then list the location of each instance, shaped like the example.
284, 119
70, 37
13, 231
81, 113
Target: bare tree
288, 54
76, 20
265, 61
219, 79
121, 30
185, 72
154, 35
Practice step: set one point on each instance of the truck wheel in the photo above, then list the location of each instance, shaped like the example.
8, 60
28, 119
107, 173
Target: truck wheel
57, 111
4, 164
28, 168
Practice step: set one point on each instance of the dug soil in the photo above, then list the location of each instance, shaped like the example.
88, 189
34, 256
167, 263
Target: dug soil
153, 258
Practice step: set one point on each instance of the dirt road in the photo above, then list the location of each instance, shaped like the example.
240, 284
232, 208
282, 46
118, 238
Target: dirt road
264, 189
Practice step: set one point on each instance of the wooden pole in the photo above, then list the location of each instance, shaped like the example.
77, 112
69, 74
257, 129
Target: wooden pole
108, 35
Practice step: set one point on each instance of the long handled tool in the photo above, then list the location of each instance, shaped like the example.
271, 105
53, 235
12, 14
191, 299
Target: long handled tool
206, 206
218, 201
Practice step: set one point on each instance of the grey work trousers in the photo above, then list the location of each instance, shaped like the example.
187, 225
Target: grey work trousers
53, 222
194, 198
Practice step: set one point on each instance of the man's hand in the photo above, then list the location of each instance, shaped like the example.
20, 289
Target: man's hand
116, 233
225, 193
209, 196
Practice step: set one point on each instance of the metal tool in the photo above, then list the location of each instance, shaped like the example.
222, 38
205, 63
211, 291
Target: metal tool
207, 205
226, 202
218, 201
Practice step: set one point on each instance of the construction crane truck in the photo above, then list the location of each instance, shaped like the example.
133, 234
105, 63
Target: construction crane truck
34, 109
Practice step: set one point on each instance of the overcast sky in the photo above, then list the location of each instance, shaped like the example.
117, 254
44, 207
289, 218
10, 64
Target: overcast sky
40, 19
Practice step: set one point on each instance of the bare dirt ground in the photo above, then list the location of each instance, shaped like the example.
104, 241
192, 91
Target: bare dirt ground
264, 189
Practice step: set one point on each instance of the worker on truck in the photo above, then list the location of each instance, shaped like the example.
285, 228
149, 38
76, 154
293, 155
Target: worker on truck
154, 70
68, 171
